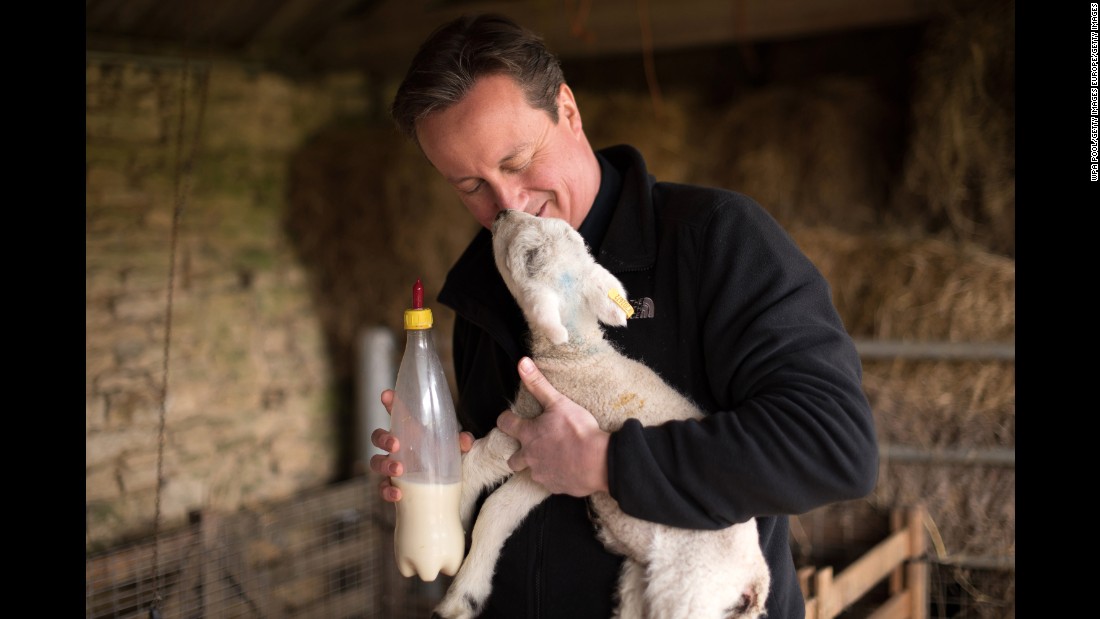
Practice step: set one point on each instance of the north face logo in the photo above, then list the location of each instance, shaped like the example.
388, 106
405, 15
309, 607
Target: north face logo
643, 308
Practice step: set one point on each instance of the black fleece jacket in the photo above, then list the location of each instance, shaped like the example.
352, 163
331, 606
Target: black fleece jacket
742, 323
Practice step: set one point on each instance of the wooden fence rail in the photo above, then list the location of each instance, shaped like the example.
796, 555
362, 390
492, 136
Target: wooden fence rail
899, 558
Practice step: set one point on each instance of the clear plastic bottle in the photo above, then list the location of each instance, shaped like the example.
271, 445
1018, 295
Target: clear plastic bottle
428, 536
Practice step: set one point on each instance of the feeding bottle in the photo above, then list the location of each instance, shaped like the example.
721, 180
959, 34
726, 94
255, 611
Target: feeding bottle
428, 536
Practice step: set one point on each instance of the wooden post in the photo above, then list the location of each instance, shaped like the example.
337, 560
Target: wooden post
823, 593
804, 576
917, 568
897, 523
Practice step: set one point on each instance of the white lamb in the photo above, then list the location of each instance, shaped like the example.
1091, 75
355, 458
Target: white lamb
668, 573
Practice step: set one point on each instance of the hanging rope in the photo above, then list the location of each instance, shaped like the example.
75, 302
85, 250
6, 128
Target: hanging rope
577, 19
183, 180
646, 27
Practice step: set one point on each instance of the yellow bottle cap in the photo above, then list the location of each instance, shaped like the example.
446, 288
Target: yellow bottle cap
417, 319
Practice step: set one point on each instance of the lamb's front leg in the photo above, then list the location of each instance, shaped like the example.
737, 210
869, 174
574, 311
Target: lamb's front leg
502, 512
484, 466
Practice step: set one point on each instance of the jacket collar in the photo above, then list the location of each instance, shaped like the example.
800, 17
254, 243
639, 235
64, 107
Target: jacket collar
631, 240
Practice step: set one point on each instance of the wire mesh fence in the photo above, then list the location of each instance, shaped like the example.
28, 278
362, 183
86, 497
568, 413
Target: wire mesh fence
958, 592
325, 554
328, 554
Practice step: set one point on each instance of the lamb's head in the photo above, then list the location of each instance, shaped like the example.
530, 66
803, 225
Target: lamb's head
563, 292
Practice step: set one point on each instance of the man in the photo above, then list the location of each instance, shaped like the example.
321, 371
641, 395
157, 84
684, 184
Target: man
729, 311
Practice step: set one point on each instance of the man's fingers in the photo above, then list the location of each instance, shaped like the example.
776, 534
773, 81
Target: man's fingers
519, 428
389, 491
508, 422
516, 462
381, 464
513, 425
465, 441
536, 383
382, 439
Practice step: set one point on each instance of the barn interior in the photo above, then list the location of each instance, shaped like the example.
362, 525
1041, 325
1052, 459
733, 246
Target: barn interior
254, 224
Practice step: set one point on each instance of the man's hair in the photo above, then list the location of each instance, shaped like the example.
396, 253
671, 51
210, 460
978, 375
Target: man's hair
458, 53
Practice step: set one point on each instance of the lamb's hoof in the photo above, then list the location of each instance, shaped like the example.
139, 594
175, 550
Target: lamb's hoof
750, 606
456, 607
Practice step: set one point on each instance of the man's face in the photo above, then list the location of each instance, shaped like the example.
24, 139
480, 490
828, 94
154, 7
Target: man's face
499, 153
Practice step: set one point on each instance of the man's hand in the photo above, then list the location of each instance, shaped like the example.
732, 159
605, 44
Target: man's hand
384, 465
564, 446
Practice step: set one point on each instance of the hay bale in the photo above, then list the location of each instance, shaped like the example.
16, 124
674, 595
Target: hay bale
893, 285
960, 169
662, 131
942, 404
816, 154
949, 405
368, 216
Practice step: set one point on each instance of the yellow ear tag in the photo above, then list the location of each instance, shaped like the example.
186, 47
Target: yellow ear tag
621, 302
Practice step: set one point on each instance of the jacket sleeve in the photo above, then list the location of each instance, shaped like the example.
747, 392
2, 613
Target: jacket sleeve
793, 429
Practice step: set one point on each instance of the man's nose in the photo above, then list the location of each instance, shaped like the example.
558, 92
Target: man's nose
511, 197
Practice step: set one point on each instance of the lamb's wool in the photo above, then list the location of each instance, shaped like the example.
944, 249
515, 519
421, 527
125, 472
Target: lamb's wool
668, 573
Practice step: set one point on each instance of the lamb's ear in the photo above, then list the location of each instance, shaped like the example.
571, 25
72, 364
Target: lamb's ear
521, 262
543, 310
606, 297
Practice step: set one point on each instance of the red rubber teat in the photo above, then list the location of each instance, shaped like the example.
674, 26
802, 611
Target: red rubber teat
418, 295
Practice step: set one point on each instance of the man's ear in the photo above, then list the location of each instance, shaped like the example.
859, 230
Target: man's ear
568, 110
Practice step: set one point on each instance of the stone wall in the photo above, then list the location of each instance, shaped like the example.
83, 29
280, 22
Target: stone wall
247, 413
